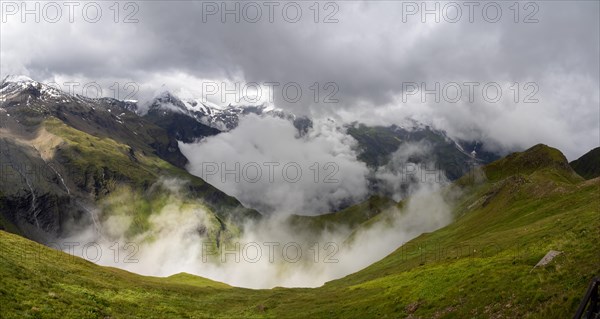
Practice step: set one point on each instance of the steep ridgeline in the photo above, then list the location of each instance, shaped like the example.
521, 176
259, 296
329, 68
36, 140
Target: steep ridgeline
179, 118
64, 156
29, 103
587, 165
377, 145
507, 216
189, 120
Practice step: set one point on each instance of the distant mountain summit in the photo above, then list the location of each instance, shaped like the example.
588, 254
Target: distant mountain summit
26, 89
222, 118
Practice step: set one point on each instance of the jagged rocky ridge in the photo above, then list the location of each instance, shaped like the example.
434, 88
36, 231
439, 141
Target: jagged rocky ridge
153, 129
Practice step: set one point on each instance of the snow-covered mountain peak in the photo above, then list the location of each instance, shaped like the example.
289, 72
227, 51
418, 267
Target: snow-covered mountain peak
163, 99
222, 117
15, 78
13, 85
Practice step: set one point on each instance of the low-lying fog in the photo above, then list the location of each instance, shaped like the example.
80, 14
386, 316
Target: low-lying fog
270, 252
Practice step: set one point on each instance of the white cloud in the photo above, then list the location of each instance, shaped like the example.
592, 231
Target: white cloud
279, 171
368, 53
298, 257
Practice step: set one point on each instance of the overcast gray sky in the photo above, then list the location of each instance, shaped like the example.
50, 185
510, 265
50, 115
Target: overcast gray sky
370, 54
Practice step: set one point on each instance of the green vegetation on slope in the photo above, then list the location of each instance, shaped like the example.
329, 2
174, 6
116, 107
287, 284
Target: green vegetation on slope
538, 158
350, 217
100, 165
61, 157
480, 266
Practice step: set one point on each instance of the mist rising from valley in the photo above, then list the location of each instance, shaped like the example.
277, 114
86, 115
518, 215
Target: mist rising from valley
180, 234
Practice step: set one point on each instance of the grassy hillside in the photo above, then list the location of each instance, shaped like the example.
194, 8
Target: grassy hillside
480, 266
351, 217
97, 170
540, 159
98, 165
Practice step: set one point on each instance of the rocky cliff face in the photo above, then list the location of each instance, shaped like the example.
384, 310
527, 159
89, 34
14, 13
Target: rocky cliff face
62, 154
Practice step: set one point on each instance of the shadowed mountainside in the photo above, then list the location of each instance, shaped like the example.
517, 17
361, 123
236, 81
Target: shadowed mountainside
587, 165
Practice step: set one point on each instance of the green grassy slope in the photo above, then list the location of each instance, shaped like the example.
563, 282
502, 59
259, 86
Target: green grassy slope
99, 165
100, 170
126, 181
480, 266
351, 217
62, 154
539, 158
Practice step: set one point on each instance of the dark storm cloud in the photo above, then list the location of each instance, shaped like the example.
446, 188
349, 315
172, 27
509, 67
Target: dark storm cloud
368, 53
